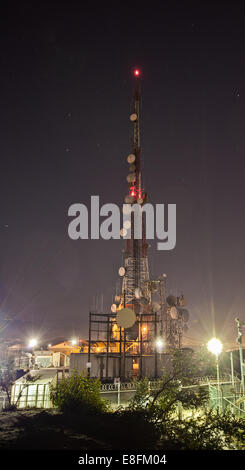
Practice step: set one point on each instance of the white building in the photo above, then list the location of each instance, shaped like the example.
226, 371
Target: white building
33, 389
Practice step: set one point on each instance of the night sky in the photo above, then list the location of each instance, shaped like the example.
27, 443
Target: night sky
66, 94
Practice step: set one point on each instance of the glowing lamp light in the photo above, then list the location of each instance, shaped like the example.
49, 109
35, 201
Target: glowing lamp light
136, 72
73, 342
215, 346
159, 344
32, 343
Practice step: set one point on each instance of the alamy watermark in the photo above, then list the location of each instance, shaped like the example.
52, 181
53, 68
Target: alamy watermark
159, 222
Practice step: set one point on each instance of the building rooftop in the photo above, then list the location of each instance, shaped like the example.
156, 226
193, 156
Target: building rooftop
43, 376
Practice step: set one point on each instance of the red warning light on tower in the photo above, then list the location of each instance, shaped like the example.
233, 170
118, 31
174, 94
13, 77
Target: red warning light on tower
136, 72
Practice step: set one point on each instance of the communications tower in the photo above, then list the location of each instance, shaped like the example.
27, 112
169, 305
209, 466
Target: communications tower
144, 323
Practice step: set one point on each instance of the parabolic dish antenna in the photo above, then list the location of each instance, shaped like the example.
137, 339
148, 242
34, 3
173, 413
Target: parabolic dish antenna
121, 271
131, 158
127, 224
126, 317
113, 308
132, 167
140, 200
131, 177
171, 300
138, 292
126, 209
185, 314
133, 117
173, 313
182, 301
123, 232
156, 307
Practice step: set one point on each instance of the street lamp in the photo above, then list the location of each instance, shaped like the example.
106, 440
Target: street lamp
215, 347
159, 345
32, 343
239, 341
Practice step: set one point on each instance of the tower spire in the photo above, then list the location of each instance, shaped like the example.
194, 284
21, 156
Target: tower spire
136, 143
136, 189
136, 261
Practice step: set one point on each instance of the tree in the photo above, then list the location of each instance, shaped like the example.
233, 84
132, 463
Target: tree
188, 364
7, 377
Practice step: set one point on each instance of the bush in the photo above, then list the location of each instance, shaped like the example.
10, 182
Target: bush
78, 394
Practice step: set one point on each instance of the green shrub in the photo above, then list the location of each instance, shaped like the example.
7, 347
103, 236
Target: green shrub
78, 394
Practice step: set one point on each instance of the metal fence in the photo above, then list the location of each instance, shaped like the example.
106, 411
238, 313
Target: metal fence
227, 397
119, 394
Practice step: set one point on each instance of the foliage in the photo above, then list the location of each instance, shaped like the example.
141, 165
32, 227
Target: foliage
166, 399
207, 431
78, 394
187, 364
201, 430
151, 421
142, 395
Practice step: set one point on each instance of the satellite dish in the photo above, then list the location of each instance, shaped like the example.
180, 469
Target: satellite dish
121, 271
140, 200
156, 307
182, 301
113, 308
129, 199
123, 232
126, 317
132, 167
133, 117
131, 158
173, 313
185, 315
127, 224
143, 300
131, 178
171, 300
138, 292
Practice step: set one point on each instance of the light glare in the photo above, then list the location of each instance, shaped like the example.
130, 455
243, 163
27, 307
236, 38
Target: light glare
159, 344
215, 346
32, 343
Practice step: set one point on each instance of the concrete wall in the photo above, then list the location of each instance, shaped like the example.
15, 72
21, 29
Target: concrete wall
98, 365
